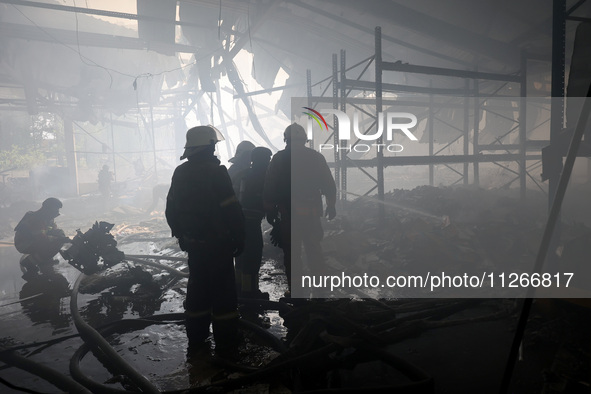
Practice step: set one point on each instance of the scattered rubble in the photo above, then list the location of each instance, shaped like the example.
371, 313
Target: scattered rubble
460, 228
454, 229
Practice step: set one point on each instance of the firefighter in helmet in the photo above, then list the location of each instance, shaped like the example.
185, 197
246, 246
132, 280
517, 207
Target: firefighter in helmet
241, 160
295, 182
39, 239
206, 218
248, 185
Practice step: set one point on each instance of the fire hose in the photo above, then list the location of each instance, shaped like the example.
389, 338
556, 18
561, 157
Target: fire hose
302, 355
59, 380
100, 345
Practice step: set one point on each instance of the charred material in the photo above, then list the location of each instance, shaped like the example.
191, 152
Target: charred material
94, 250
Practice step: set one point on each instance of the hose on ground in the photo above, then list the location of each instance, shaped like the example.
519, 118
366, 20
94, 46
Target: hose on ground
18, 388
56, 378
306, 360
100, 345
53, 341
289, 361
119, 326
136, 324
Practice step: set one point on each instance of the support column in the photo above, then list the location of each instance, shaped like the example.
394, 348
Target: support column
558, 68
556, 116
71, 159
523, 127
335, 105
309, 95
466, 130
431, 136
475, 142
113, 148
153, 143
380, 153
343, 153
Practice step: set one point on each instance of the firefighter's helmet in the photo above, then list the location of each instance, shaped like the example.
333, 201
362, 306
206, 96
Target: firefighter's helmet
203, 136
295, 133
243, 148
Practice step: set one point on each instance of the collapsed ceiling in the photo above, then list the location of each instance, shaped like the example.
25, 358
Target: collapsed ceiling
62, 58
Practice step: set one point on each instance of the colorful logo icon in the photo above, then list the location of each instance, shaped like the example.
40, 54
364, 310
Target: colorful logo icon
317, 117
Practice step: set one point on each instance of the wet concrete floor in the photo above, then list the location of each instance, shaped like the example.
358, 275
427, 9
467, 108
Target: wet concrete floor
39, 310
461, 359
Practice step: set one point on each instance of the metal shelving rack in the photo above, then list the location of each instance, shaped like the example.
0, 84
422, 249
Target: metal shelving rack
473, 103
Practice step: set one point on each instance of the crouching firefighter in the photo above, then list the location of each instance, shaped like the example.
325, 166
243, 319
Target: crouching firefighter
39, 239
206, 218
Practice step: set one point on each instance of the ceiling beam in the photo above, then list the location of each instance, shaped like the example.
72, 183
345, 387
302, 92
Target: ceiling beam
371, 30
417, 21
69, 37
111, 14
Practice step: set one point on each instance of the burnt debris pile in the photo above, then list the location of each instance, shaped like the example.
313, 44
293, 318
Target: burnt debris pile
93, 250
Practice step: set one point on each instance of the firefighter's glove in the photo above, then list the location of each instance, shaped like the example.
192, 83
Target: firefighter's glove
331, 212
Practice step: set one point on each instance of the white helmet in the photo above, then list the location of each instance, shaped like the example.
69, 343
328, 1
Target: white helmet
203, 136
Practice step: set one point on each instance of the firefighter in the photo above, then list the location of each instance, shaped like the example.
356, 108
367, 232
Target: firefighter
105, 177
296, 180
206, 218
249, 184
241, 159
39, 239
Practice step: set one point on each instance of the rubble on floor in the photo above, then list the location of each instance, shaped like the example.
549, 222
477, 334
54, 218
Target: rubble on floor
433, 345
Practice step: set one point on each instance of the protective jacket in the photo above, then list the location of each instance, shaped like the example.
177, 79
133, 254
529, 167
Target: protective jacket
201, 205
297, 177
248, 185
36, 233
204, 214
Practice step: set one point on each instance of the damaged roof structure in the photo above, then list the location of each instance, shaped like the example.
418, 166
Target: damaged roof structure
156, 74
475, 183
